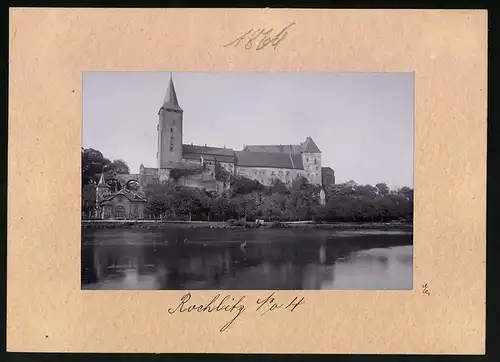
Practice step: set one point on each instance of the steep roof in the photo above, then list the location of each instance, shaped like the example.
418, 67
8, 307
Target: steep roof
170, 102
132, 196
327, 169
208, 153
269, 159
308, 146
102, 182
273, 148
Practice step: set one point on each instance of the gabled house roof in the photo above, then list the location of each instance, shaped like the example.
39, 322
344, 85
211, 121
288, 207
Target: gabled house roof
130, 195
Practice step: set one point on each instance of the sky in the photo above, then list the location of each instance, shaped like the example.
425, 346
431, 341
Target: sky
362, 122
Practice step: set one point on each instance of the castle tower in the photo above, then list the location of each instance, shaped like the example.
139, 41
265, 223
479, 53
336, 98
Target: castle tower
169, 130
311, 159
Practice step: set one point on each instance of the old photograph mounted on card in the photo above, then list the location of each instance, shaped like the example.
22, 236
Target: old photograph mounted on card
310, 181
253, 181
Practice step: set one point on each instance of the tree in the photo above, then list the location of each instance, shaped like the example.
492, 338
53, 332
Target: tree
277, 186
93, 163
117, 167
88, 199
156, 208
243, 185
219, 206
383, 189
300, 184
221, 174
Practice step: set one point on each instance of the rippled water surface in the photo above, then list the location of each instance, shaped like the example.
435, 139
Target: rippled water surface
201, 258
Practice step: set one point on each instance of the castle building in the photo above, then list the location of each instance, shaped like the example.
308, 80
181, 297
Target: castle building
259, 162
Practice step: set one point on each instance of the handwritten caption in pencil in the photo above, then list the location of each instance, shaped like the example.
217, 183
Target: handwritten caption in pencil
235, 307
260, 38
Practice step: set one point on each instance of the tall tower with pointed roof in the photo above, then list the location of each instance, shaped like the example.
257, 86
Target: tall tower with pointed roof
169, 130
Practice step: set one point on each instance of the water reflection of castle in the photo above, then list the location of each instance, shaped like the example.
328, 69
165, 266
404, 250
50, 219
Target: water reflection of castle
194, 266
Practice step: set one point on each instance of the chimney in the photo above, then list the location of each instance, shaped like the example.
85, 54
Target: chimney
224, 146
191, 143
205, 145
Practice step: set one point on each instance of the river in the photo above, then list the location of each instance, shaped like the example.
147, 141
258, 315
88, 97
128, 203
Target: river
176, 258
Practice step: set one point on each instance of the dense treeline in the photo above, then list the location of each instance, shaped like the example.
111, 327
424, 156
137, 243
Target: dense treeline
248, 199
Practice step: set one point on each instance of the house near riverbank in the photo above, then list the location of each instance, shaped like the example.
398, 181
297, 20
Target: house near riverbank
118, 204
195, 165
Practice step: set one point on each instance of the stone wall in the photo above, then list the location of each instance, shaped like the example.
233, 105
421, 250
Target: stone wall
312, 167
211, 164
265, 175
328, 176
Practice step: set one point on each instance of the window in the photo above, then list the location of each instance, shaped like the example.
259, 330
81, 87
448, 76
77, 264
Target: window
120, 209
171, 148
171, 129
315, 161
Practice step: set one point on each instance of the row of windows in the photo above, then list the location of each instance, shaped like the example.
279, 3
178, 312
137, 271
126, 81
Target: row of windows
315, 160
273, 173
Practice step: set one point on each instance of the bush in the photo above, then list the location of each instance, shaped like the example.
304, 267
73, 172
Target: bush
234, 222
277, 224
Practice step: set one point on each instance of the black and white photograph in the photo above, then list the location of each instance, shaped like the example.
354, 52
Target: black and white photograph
247, 181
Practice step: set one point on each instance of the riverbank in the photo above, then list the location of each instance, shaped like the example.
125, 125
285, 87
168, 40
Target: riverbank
153, 224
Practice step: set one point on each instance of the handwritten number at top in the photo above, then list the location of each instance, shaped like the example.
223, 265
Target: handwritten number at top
261, 37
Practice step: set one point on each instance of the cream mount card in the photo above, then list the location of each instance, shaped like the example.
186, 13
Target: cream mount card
65, 62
